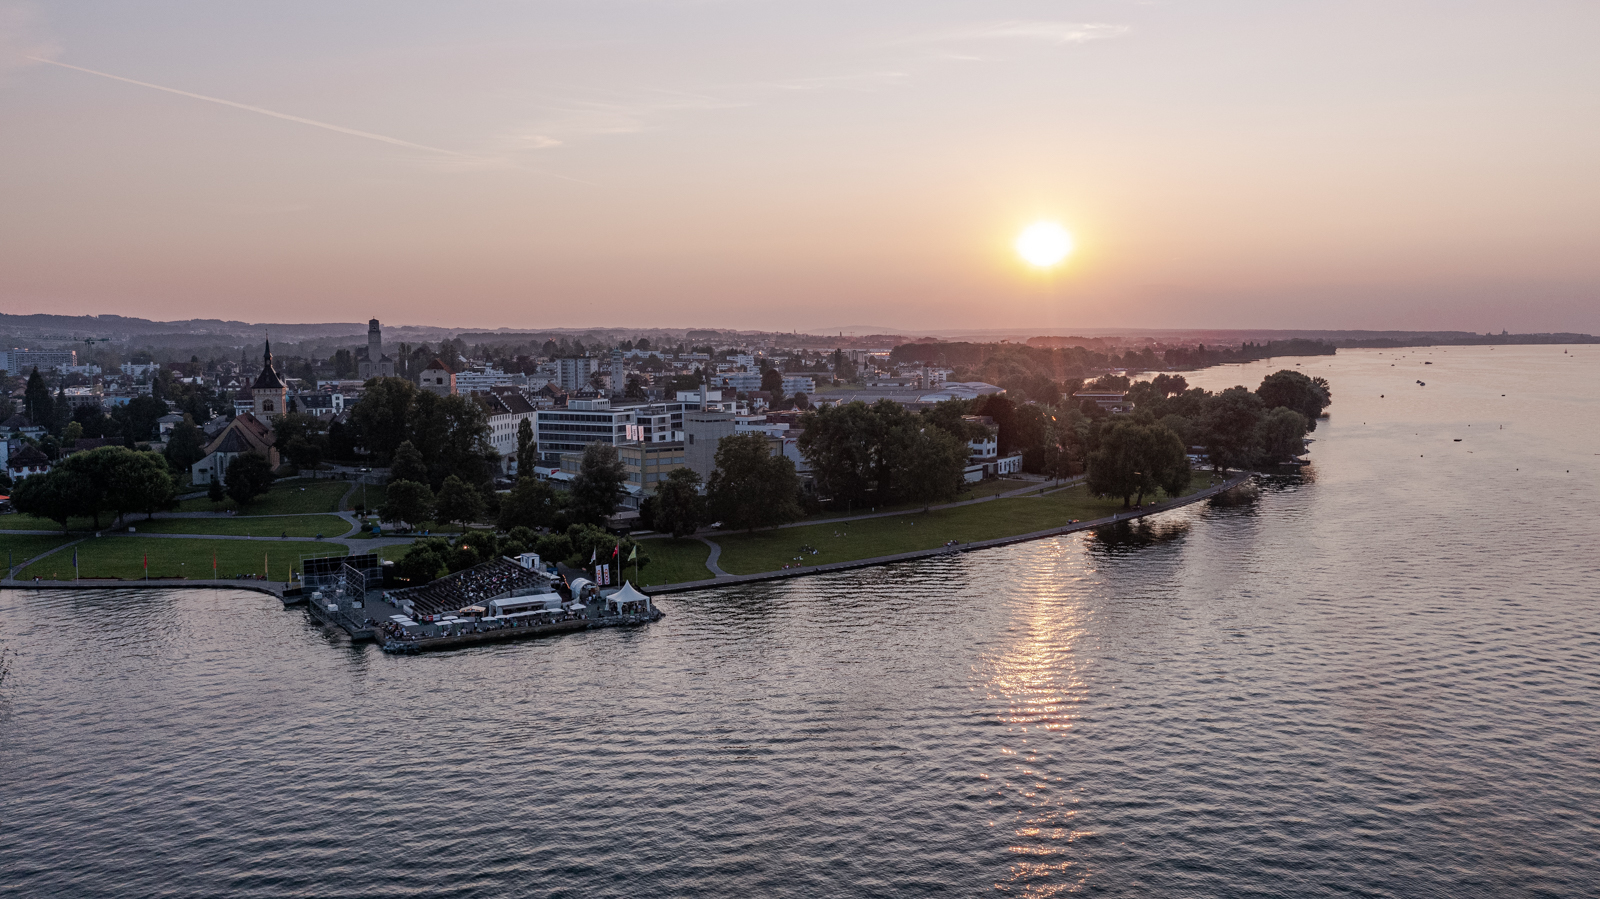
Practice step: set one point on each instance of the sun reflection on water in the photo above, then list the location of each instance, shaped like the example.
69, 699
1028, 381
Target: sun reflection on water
1038, 686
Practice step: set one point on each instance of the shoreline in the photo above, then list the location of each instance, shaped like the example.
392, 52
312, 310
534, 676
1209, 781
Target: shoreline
873, 561
277, 588
271, 588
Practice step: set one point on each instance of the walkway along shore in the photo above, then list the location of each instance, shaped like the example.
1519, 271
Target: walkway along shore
271, 588
277, 588
731, 579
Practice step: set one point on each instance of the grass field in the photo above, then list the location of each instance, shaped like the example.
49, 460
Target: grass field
376, 496
291, 497
771, 550
123, 557
974, 491
16, 521
245, 526
19, 548
672, 562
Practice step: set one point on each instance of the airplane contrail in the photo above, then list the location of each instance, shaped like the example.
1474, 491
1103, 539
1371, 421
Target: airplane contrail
277, 115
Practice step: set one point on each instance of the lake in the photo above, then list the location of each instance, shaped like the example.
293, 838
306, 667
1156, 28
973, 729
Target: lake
1377, 677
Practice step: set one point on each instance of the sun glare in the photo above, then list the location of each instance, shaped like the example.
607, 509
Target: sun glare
1044, 244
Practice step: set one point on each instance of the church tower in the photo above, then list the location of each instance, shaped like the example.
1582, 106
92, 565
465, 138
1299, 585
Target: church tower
376, 365
269, 395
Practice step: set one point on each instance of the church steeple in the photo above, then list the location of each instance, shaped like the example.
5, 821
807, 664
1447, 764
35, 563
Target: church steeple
270, 393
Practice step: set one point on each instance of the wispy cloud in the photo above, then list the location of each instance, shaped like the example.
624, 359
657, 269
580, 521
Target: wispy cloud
256, 109
1043, 31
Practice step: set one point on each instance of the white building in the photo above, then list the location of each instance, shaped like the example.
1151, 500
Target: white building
21, 362
482, 381
508, 409
583, 422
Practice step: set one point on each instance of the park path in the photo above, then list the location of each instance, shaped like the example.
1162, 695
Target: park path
724, 580
711, 560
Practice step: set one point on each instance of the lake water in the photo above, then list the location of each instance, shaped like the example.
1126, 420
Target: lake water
1377, 678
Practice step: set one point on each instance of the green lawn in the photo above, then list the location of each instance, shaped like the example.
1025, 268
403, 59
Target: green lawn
672, 561
19, 548
245, 526
392, 552
290, 497
123, 557
16, 521
771, 550
376, 494
979, 490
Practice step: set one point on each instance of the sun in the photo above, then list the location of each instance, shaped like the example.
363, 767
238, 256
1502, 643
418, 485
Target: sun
1043, 244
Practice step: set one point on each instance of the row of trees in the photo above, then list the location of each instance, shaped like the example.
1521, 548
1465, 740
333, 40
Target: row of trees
751, 487
434, 557
90, 484
884, 452
1133, 456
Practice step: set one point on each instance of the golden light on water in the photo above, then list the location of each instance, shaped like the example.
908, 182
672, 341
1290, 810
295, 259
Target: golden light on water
1044, 244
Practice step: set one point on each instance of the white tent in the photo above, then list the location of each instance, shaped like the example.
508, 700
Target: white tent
628, 594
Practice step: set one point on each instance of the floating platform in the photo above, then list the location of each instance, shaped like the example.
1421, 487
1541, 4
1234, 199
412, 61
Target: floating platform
487, 632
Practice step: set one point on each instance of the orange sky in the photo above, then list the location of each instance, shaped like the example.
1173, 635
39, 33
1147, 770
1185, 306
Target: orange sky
804, 166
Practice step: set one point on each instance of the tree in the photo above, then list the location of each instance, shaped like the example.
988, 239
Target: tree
302, 452
677, 507
382, 415
458, 501
843, 368
1230, 428
598, 488
1282, 435
133, 482
526, 448
750, 487
140, 482
1167, 385
410, 502
839, 442
1288, 389
37, 401
249, 476
585, 541
301, 439
55, 496
214, 491
422, 562
772, 382
407, 464
1133, 458
186, 446
531, 503
634, 388
137, 418
452, 433
929, 465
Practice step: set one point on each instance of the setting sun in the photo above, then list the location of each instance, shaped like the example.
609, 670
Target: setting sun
1044, 244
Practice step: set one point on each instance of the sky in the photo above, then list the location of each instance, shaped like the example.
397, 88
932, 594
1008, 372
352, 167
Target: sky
804, 165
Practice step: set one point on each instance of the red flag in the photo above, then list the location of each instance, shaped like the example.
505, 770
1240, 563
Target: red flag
617, 549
